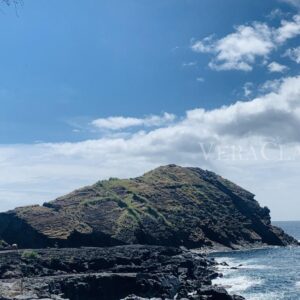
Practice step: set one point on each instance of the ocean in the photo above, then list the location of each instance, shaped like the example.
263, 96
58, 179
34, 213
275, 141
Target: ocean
263, 274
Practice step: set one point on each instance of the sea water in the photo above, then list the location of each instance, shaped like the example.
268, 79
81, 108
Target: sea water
263, 274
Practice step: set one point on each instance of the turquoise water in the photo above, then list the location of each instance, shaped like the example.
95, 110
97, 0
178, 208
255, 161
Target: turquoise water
264, 274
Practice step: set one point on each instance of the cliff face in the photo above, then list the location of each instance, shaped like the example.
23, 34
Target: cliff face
170, 205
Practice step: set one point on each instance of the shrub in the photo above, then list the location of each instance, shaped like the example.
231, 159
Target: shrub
30, 255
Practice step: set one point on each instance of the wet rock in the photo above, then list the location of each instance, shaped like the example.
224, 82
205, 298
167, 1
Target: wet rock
214, 293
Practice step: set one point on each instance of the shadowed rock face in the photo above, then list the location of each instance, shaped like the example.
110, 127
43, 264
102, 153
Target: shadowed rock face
170, 205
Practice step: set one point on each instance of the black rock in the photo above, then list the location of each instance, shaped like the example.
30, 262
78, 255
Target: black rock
108, 274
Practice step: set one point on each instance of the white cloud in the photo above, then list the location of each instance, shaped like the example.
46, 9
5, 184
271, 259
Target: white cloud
117, 123
270, 86
248, 86
275, 115
204, 46
288, 29
277, 13
200, 79
189, 64
295, 3
275, 67
294, 54
240, 50
36, 173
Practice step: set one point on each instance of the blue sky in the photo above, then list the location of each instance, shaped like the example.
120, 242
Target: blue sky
92, 89
65, 63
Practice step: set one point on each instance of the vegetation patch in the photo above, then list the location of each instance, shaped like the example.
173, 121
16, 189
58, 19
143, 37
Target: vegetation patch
98, 200
30, 254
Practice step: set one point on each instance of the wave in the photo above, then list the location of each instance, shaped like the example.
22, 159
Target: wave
237, 284
251, 265
227, 265
272, 275
234, 264
224, 259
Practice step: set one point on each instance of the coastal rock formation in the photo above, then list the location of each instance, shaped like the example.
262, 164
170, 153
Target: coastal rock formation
171, 205
129, 272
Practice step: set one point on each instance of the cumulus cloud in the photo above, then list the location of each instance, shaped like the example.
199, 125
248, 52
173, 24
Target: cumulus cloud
240, 50
275, 115
118, 123
275, 67
288, 29
294, 54
256, 129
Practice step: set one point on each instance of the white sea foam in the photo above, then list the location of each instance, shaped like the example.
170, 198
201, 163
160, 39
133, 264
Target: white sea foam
297, 285
251, 265
234, 264
265, 296
237, 284
228, 267
228, 260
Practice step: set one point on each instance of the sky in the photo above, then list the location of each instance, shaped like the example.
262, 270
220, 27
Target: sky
104, 88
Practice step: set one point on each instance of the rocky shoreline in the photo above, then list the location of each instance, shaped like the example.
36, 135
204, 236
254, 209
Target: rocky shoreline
113, 273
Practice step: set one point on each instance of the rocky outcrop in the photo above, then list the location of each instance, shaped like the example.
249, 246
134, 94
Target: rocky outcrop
170, 205
131, 272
